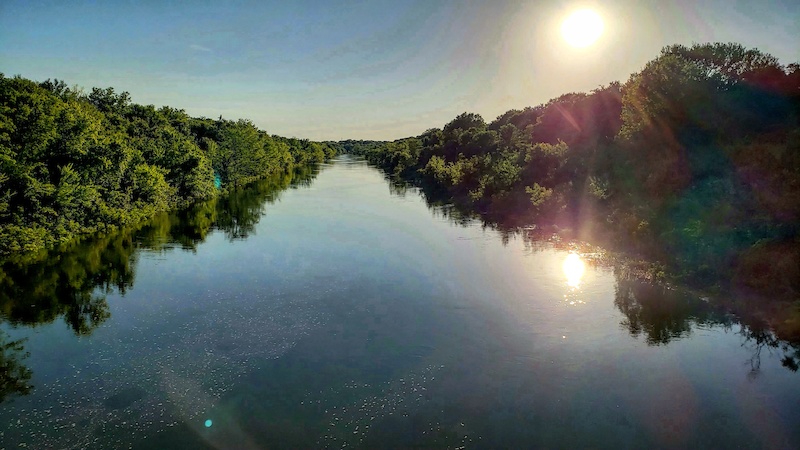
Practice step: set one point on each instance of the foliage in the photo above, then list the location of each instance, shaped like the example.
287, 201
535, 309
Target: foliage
694, 162
73, 164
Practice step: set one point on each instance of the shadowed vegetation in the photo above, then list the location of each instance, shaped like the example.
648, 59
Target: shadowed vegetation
693, 163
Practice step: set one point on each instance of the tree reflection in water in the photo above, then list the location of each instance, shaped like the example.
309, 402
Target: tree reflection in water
72, 282
657, 313
14, 376
661, 315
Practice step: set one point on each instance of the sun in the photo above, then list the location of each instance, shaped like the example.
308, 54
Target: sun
582, 28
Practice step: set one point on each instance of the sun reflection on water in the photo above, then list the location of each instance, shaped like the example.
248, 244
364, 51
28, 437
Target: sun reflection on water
574, 269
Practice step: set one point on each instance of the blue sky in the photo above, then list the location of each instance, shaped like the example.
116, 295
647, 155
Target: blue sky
362, 69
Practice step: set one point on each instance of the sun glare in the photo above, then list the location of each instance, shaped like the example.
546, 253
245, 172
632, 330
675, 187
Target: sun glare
582, 28
573, 269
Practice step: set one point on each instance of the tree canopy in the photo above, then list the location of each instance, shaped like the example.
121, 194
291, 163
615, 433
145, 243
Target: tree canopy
73, 164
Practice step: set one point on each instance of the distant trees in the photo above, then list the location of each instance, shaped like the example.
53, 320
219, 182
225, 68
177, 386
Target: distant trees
72, 164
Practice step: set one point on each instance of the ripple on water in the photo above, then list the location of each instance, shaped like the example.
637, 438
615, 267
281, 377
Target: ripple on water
349, 424
171, 371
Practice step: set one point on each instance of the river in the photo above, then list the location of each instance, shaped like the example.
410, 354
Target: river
330, 310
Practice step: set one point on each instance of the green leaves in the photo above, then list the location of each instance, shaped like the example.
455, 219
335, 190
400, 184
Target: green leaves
72, 164
538, 194
150, 188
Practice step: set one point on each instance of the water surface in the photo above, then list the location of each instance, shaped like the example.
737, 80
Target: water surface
342, 312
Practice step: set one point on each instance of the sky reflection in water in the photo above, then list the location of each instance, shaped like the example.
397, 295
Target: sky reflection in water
346, 315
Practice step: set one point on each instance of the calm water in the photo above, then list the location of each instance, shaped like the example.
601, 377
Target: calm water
342, 313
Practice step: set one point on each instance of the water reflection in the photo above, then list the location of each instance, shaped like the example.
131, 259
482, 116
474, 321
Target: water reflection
72, 283
574, 269
661, 315
384, 347
14, 376
654, 312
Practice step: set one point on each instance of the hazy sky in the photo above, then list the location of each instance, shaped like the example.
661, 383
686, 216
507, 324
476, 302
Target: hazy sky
378, 69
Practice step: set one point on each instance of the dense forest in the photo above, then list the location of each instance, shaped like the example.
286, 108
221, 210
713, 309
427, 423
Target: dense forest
73, 163
693, 162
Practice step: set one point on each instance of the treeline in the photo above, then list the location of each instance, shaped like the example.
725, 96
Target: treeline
73, 163
694, 162
358, 147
